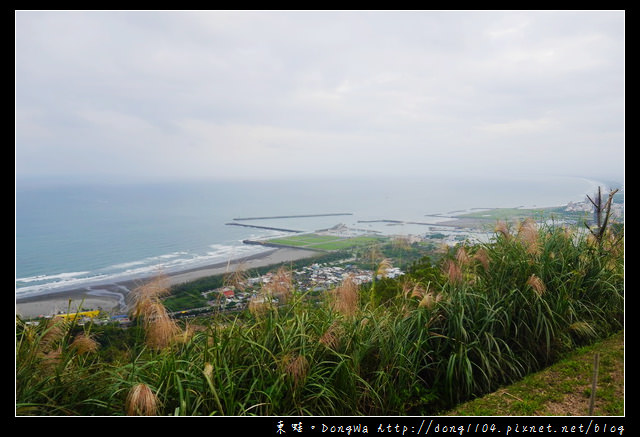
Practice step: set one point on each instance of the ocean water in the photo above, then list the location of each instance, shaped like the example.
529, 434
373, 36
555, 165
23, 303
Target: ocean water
77, 235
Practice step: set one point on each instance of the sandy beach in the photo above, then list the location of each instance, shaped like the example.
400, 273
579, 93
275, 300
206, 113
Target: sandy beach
111, 297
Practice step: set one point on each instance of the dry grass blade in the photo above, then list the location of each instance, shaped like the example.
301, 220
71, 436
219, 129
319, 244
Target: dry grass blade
55, 330
208, 370
50, 359
428, 301
567, 232
583, 330
259, 305
160, 328
186, 334
296, 368
141, 401
503, 229
412, 289
407, 287
280, 285
237, 278
592, 240
331, 337
453, 271
462, 257
483, 258
344, 298
143, 296
528, 235
383, 268
418, 291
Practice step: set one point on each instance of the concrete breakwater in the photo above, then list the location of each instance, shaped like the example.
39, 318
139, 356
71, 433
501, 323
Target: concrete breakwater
292, 216
264, 227
453, 223
278, 245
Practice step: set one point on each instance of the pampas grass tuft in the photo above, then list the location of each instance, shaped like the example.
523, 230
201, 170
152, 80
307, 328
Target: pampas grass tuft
503, 229
159, 327
537, 284
528, 235
453, 271
383, 268
344, 298
296, 368
462, 257
141, 401
482, 257
84, 344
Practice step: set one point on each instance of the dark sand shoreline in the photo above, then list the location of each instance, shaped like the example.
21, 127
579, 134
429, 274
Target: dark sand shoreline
111, 297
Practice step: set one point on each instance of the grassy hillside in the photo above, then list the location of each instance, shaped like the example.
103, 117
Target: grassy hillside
562, 389
482, 317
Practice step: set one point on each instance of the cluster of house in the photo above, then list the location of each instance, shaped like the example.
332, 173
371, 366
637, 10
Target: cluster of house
313, 278
317, 277
228, 298
320, 278
617, 209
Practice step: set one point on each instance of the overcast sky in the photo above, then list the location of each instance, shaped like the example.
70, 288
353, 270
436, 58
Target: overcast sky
222, 94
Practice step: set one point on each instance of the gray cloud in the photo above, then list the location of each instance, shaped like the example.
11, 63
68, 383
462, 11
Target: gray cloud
265, 94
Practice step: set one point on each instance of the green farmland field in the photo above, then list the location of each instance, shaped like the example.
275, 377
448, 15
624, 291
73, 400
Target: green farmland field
522, 213
324, 242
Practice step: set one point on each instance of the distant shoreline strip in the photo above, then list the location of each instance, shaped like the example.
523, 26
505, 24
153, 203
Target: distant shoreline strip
291, 216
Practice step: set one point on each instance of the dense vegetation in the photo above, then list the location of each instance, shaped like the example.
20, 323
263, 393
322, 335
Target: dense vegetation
480, 317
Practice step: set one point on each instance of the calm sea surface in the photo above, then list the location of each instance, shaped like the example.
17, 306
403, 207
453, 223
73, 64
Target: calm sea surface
75, 235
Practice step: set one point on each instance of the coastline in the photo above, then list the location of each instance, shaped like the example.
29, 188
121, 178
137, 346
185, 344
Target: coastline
111, 297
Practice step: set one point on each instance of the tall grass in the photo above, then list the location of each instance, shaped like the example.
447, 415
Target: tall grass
58, 371
496, 312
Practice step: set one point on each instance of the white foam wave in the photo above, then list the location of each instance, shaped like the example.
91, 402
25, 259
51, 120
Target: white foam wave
49, 278
167, 264
127, 265
146, 261
67, 283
